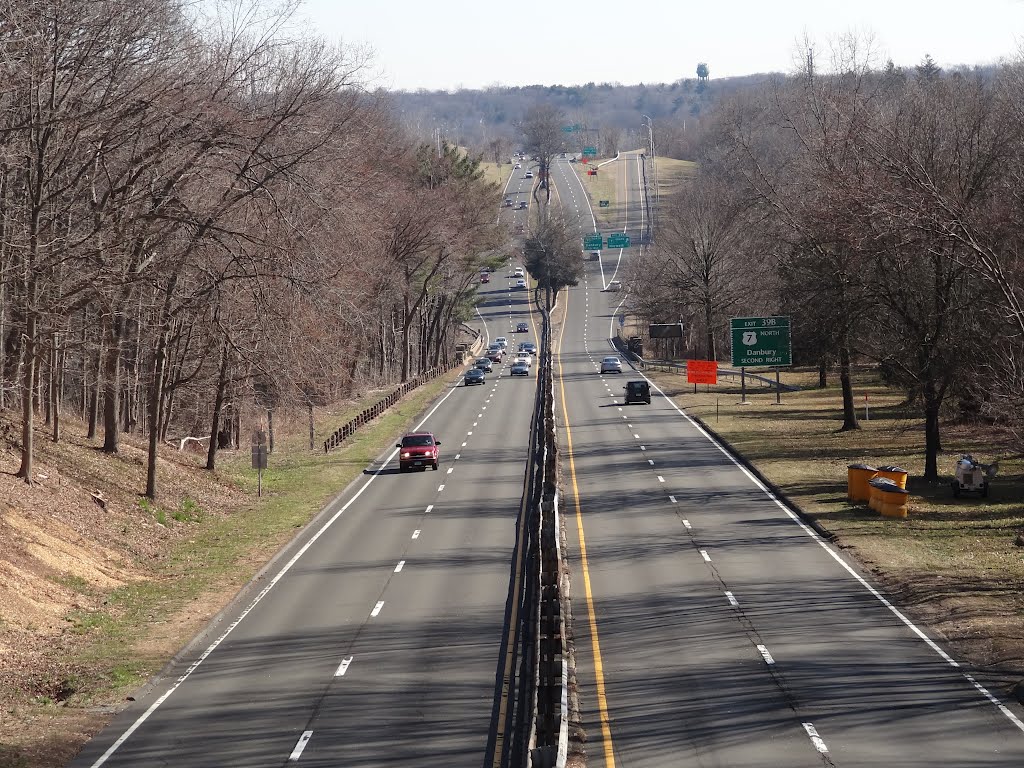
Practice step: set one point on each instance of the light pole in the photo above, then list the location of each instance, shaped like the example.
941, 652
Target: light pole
654, 165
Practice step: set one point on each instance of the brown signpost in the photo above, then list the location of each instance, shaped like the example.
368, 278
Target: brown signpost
701, 371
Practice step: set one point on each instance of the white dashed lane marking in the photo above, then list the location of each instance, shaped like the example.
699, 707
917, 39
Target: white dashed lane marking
300, 745
376, 609
416, 533
732, 600
343, 667
705, 555
765, 655
400, 566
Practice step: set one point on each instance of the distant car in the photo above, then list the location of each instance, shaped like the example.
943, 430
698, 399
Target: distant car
520, 369
528, 175
563, 154
524, 357
520, 283
474, 376
528, 346
519, 272
502, 342
485, 278
522, 328
595, 255
508, 202
519, 165
523, 205
494, 355
614, 285
611, 365
485, 364
637, 392
572, 159
418, 449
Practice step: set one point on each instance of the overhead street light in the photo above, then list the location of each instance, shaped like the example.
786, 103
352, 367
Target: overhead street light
654, 164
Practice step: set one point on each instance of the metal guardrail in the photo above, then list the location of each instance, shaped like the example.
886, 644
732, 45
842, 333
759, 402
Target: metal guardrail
670, 366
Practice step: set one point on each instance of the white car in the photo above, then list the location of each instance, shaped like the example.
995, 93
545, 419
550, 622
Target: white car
529, 175
523, 357
519, 165
520, 283
502, 342
614, 285
611, 365
519, 272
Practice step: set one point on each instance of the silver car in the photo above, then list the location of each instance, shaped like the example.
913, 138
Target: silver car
611, 365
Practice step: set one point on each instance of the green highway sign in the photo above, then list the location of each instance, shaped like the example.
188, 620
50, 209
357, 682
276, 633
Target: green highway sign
592, 242
590, 151
760, 341
571, 128
603, 203
618, 240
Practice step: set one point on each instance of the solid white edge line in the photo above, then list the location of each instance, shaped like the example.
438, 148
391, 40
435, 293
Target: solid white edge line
846, 566
256, 600
300, 745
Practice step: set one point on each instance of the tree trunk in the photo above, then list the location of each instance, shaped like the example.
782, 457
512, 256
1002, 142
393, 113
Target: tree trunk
112, 390
270, 430
28, 388
56, 386
312, 433
822, 373
932, 440
156, 397
710, 330
218, 405
849, 407
406, 341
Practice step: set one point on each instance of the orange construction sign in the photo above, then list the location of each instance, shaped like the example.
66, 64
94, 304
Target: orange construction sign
701, 371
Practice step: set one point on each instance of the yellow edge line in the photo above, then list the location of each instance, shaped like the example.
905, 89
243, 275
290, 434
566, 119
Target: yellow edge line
602, 702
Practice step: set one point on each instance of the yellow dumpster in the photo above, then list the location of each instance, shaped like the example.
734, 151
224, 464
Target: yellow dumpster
897, 474
857, 477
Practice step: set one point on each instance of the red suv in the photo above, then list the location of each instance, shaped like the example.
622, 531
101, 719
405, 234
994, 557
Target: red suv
418, 449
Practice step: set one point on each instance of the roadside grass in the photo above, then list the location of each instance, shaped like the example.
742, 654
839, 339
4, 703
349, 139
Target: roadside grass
224, 552
496, 173
672, 173
954, 560
603, 186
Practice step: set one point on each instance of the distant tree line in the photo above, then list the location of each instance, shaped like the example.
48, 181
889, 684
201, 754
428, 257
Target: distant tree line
881, 209
200, 209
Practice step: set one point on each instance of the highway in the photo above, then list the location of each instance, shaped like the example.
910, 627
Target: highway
712, 627
376, 637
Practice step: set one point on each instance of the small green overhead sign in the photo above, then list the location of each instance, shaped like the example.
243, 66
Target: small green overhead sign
590, 151
618, 240
603, 203
592, 242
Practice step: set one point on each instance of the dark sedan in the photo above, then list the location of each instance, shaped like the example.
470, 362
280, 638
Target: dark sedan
474, 376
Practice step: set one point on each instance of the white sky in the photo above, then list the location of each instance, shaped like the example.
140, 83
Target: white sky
476, 43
